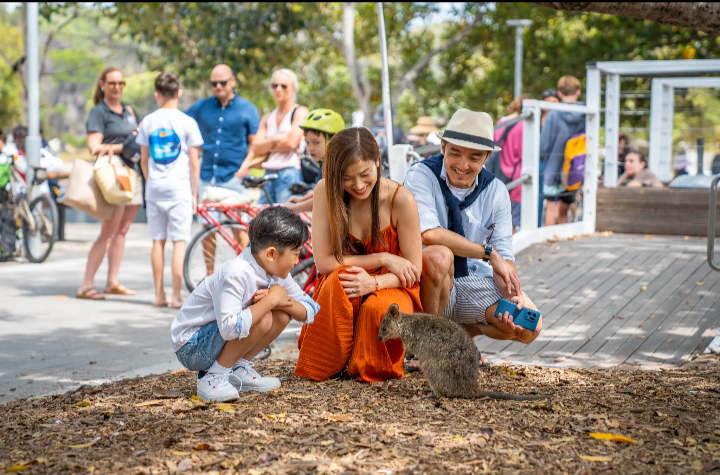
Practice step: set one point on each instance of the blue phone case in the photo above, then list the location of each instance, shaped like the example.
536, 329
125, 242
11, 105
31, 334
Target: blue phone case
526, 318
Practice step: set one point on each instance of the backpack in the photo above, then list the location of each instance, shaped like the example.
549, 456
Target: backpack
4, 170
573, 170
492, 164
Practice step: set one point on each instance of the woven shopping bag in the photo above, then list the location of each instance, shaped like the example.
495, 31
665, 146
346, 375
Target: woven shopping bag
116, 180
83, 193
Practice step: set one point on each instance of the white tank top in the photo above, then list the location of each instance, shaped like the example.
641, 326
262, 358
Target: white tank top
280, 160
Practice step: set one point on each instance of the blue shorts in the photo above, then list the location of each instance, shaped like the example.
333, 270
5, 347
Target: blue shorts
278, 189
202, 349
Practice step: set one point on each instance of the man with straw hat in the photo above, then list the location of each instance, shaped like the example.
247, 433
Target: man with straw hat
466, 225
424, 126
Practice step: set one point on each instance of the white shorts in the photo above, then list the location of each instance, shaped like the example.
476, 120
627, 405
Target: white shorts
177, 214
470, 297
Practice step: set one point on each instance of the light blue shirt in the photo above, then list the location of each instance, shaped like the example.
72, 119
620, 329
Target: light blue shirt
492, 206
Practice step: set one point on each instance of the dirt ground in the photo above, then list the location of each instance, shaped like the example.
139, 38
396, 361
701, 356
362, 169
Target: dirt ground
659, 422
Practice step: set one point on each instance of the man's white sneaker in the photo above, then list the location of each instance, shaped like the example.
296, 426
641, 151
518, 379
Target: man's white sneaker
245, 378
215, 387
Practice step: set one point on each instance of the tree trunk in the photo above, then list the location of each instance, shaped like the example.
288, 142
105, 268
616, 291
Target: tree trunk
360, 83
702, 16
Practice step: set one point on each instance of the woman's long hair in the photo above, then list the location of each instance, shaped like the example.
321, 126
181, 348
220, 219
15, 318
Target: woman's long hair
346, 148
99, 94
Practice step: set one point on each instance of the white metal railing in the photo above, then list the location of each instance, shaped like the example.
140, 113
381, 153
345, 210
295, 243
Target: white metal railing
711, 225
529, 232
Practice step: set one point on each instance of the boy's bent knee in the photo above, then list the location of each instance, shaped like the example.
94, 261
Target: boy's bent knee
263, 325
280, 317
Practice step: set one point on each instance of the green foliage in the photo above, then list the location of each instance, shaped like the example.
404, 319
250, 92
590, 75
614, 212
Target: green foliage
76, 66
139, 92
10, 86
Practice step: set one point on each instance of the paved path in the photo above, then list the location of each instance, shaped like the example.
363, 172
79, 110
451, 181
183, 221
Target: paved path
51, 341
590, 291
622, 299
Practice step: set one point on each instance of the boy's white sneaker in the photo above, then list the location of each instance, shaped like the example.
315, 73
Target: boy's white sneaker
245, 378
215, 387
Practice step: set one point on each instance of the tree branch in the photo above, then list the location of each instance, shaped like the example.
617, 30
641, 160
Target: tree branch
411, 75
703, 16
51, 36
327, 34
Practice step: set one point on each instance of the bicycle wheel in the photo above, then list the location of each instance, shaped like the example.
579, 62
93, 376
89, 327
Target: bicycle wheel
303, 272
39, 244
207, 252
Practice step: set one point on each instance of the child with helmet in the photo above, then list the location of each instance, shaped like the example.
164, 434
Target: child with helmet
320, 125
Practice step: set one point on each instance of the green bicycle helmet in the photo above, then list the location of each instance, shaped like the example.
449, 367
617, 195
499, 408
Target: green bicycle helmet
323, 120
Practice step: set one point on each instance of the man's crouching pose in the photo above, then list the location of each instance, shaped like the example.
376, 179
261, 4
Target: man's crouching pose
466, 225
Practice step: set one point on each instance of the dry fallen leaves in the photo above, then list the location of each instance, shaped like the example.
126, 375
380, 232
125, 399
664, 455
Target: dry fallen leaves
316, 429
612, 437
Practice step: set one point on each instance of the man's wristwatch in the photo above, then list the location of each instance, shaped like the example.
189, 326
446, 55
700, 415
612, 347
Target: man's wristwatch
488, 251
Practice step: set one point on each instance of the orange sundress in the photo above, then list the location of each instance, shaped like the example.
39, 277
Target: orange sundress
347, 329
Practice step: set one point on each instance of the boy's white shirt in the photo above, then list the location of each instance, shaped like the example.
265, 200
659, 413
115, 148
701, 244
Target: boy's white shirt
169, 180
225, 297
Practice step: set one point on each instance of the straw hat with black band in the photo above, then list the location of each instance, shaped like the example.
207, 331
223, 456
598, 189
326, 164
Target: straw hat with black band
470, 130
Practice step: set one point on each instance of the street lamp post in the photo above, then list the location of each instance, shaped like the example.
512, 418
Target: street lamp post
387, 102
519, 25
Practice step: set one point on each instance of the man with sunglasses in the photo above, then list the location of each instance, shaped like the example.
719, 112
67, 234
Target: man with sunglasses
228, 124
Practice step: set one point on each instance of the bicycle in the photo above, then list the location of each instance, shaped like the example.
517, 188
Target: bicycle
37, 220
206, 252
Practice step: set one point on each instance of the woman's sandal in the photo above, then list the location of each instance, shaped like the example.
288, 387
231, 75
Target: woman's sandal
89, 294
119, 289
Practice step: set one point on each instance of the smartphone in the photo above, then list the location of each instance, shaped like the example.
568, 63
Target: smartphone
526, 318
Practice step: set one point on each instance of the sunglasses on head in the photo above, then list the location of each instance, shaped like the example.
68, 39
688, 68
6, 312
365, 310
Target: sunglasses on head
114, 84
275, 86
222, 83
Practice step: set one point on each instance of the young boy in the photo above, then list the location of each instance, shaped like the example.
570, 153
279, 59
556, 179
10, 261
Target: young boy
320, 125
170, 141
240, 309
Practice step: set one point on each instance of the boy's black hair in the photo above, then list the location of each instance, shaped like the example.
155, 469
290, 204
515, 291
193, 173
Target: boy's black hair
167, 85
277, 227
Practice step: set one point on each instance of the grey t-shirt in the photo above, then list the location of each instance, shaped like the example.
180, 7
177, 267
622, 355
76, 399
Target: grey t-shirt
114, 127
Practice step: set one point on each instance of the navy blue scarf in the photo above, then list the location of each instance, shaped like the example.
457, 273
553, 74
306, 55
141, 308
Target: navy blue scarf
455, 206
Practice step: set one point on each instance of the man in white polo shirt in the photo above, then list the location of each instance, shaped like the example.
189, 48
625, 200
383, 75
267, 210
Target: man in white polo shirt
466, 225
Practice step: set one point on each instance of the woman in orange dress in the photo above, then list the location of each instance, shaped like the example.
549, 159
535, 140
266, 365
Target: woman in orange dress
368, 252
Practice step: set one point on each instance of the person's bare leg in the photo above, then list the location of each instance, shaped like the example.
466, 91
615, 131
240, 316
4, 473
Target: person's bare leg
280, 320
563, 209
178, 258
99, 248
241, 236
437, 278
117, 245
551, 213
157, 257
208, 245
235, 349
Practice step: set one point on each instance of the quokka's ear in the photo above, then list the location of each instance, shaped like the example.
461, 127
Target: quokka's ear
394, 310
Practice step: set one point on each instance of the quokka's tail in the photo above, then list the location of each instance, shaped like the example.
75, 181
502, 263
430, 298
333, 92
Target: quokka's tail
512, 397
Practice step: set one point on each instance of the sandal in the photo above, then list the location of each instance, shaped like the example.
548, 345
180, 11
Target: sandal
119, 289
485, 364
89, 294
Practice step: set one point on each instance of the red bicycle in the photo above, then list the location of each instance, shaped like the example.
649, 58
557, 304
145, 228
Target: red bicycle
219, 241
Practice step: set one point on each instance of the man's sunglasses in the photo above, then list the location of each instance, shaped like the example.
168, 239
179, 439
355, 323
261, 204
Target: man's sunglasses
114, 84
275, 86
222, 83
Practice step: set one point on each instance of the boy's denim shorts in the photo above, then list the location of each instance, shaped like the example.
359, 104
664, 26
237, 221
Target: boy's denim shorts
202, 349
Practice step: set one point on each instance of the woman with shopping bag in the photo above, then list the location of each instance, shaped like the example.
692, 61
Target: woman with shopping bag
111, 129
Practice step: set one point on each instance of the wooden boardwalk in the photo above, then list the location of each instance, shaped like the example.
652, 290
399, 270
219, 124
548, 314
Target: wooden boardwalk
616, 300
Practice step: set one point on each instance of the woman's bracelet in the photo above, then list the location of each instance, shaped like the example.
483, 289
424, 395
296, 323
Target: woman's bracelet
377, 284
